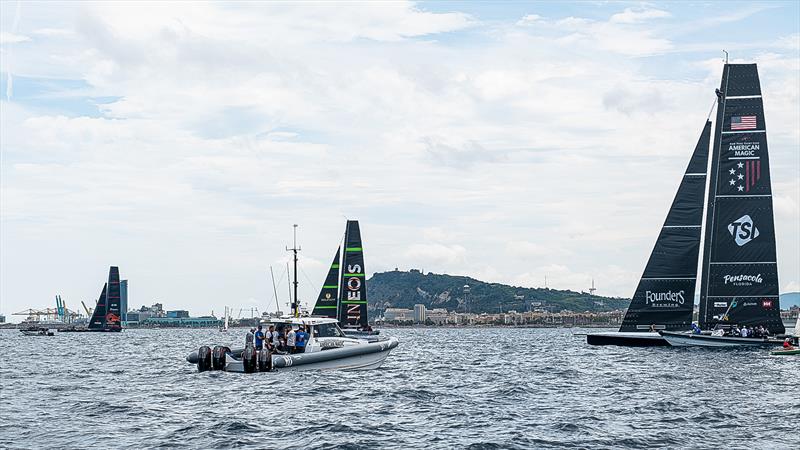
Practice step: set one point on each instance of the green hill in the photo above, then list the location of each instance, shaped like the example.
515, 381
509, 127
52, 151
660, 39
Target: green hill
397, 289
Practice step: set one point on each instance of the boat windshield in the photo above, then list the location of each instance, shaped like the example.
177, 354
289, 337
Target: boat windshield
328, 330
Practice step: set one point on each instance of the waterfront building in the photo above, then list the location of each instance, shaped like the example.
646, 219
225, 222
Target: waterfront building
419, 313
177, 314
123, 300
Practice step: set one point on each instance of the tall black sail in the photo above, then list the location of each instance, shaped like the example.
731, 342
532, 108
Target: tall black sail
98, 320
739, 269
353, 300
665, 294
328, 299
106, 315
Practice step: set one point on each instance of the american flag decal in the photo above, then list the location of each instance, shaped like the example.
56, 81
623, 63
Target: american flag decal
752, 171
743, 123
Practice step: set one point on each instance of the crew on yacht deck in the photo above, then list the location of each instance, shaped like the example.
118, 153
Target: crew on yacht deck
300, 340
696, 328
290, 340
276, 340
248, 340
259, 339
743, 332
271, 336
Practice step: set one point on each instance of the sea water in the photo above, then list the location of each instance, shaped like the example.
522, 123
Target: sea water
441, 388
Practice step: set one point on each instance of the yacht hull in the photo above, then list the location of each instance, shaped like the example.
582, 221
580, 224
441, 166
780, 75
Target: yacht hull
678, 339
627, 339
363, 356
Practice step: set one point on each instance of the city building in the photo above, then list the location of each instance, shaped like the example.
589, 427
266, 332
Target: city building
419, 313
177, 314
123, 300
398, 315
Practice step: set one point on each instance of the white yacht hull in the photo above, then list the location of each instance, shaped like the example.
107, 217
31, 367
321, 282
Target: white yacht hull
705, 340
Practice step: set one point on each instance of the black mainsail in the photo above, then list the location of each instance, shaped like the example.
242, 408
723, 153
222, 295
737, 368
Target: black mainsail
739, 269
106, 315
664, 297
328, 300
353, 295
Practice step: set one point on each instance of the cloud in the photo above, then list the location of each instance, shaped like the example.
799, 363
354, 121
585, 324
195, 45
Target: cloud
11, 38
482, 148
630, 16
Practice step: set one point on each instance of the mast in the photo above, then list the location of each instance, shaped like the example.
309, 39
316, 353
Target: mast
294, 250
664, 297
275, 290
739, 279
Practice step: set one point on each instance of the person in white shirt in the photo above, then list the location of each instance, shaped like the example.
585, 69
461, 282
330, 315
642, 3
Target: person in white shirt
276, 339
743, 332
290, 340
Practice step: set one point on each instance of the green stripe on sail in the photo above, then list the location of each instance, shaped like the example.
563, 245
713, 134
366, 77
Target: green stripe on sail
352, 249
325, 307
354, 275
331, 286
334, 266
353, 303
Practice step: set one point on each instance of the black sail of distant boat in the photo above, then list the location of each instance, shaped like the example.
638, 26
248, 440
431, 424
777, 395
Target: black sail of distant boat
664, 297
353, 296
106, 315
328, 300
739, 269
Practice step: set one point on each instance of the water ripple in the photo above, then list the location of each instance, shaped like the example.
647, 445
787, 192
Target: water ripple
442, 388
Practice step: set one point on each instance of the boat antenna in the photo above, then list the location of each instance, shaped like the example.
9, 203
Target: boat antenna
294, 250
726, 56
274, 289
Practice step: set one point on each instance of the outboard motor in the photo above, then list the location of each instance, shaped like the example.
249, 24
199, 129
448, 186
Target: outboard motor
264, 361
203, 359
249, 359
218, 357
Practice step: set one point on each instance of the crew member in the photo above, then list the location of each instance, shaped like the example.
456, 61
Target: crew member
787, 345
259, 339
248, 340
300, 339
291, 340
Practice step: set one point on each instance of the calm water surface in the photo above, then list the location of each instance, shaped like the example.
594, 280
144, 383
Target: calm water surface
442, 388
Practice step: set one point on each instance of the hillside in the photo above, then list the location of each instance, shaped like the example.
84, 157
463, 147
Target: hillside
397, 289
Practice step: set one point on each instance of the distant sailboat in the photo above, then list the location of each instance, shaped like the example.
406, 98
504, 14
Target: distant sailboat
665, 295
106, 315
739, 274
224, 326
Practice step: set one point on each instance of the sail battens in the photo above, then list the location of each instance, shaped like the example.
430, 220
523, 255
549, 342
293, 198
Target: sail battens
738, 97
744, 195
744, 132
669, 278
665, 292
744, 262
739, 256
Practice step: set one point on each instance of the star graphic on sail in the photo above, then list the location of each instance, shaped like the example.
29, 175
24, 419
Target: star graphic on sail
744, 175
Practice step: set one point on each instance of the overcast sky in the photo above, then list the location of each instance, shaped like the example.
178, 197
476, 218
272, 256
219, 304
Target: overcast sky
504, 141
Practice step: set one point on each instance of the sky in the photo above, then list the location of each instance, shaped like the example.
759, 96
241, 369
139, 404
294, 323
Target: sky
506, 141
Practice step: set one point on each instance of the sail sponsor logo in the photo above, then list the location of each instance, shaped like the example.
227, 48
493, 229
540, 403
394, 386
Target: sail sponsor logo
720, 304
743, 230
742, 149
353, 292
766, 303
661, 299
743, 280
